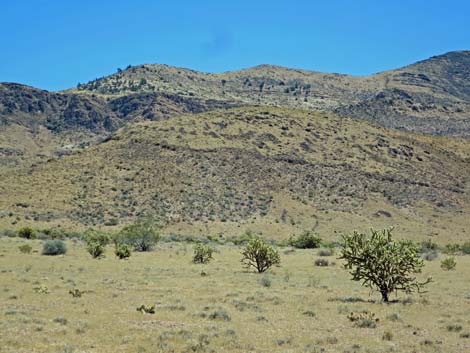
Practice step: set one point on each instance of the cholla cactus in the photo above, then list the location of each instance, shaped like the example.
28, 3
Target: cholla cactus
260, 255
381, 263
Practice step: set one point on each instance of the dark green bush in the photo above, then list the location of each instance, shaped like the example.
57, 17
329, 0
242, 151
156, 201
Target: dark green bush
142, 235
27, 233
202, 253
466, 248
306, 240
122, 251
54, 247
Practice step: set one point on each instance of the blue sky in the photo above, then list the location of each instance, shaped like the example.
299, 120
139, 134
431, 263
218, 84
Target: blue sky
55, 44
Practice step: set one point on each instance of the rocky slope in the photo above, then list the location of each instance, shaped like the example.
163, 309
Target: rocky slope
276, 169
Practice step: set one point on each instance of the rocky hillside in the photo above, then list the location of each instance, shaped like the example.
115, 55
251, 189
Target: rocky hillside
274, 169
431, 96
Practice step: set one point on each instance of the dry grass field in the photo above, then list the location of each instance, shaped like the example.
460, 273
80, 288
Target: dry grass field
218, 307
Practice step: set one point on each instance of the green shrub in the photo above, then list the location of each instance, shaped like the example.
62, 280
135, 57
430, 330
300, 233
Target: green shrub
202, 253
381, 263
142, 235
96, 243
243, 238
25, 248
54, 247
27, 233
452, 249
260, 255
9, 233
306, 240
122, 251
466, 248
220, 314
448, 264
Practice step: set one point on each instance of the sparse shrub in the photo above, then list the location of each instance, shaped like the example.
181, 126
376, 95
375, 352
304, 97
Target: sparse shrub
61, 320
430, 255
466, 248
146, 309
96, 243
243, 239
54, 247
25, 248
325, 252
321, 262
122, 251
448, 264
364, 319
393, 317
454, 328
309, 313
220, 314
387, 336
306, 240
27, 233
265, 281
260, 255
142, 235
452, 249
42, 289
202, 253
9, 233
76, 293
428, 245
381, 263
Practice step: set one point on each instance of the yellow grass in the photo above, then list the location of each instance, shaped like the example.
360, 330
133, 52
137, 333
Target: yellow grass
262, 319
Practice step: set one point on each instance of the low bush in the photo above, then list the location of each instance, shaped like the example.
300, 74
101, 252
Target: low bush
325, 252
25, 248
27, 233
54, 247
448, 264
321, 262
430, 255
363, 319
122, 251
142, 235
306, 240
265, 281
202, 253
452, 249
465, 248
427, 246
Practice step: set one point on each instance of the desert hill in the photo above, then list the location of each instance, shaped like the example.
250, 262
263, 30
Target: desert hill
273, 169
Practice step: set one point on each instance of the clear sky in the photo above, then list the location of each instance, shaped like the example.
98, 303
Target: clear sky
54, 44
